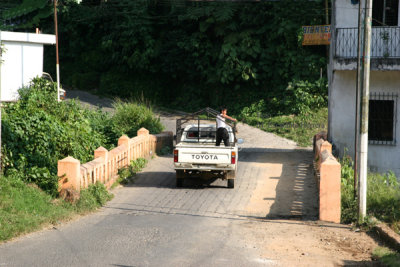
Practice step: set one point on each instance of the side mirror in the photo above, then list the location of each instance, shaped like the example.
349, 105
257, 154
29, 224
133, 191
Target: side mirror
240, 141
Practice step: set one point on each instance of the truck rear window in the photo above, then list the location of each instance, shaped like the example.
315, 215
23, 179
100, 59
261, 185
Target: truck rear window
207, 132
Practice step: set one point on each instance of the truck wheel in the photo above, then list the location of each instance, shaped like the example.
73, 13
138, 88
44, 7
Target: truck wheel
231, 183
179, 178
179, 182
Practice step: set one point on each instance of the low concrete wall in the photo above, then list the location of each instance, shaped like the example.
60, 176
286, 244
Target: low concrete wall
104, 168
328, 173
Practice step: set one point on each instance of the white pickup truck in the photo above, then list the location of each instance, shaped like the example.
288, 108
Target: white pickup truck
196, 154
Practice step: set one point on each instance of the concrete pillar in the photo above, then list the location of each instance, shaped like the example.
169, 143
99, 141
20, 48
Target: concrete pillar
329, 190
101, 152
326, 146
142, 131
125, 140
70, 173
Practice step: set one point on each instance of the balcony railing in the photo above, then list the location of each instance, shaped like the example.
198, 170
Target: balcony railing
385, 42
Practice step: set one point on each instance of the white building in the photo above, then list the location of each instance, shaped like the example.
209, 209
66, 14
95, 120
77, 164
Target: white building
384, 110
22, 60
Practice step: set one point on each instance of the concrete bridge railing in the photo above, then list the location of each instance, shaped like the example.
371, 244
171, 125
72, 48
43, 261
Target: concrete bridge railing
104, 168
328, 174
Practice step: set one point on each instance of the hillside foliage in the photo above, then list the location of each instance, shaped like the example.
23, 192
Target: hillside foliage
189, 54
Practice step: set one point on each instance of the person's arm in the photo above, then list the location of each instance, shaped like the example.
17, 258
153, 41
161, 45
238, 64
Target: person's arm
228, 117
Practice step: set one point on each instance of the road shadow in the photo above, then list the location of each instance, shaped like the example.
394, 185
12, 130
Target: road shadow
283, 183
245, 153
168, 180
289, 173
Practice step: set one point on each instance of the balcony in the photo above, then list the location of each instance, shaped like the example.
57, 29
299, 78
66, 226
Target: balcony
385, 48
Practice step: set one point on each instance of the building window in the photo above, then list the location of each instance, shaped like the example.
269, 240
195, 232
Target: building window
382, 118
385, 12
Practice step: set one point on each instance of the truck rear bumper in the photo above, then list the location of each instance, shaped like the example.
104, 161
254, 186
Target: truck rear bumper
195, 167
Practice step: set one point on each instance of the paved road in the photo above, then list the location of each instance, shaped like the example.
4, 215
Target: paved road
153, 223
268, 219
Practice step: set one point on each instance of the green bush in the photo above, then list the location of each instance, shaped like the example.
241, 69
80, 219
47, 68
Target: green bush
302, 97
129, 172
138, 164
38, 131
130, 117
388, 257
96, 195
349, 203
383, 195
256, 109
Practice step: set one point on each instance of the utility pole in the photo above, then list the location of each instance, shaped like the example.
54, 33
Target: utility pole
57, 59
358, 86
326, 12
1, 61
362, 200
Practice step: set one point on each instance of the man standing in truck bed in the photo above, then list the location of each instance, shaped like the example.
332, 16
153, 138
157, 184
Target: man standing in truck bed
222, 132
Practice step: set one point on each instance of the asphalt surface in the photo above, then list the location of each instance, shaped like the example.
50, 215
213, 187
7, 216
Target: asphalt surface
153, 223
268, 219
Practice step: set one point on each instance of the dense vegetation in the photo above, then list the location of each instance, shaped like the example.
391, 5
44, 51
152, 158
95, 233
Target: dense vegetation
37, 131
188, 54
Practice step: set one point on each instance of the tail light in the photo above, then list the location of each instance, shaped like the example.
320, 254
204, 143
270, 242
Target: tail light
233, 157
175, 155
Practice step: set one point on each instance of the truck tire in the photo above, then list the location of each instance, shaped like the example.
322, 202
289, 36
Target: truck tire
231, 174
179, 182
179, 178
231, 183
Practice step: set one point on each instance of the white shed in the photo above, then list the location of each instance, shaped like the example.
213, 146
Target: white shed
22, 60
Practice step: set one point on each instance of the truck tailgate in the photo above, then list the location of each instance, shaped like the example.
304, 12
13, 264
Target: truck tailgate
205, 155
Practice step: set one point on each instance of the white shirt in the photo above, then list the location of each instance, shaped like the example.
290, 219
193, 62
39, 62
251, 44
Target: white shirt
221, 121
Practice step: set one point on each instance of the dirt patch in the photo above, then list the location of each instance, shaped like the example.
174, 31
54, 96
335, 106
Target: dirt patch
308, 243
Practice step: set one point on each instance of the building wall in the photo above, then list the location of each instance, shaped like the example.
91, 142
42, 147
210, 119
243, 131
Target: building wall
22, 60
21, 63
346, 15
381, 158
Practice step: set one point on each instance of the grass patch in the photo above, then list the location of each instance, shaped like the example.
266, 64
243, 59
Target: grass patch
26, 208
126, 174
383, 196
130, 117
388, 257
299, 128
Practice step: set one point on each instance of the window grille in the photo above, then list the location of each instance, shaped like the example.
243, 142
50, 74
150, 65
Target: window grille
382, 118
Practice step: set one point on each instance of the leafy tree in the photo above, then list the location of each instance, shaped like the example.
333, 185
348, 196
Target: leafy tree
190, 54
27, 14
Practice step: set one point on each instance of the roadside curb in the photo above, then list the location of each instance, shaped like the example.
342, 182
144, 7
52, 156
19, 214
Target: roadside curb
390, 237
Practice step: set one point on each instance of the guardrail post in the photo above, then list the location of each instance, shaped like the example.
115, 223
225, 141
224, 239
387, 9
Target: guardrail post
101, 152
125, 140
142, 131
69, 172
145, 148
329, 190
